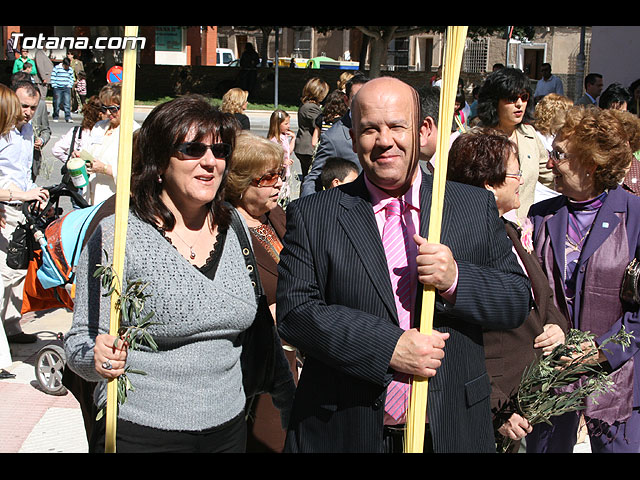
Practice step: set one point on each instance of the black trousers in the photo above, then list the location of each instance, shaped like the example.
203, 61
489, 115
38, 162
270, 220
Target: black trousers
305, 163
230, 437
394, 436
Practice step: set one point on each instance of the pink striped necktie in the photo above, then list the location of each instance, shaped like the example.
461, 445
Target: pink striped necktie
395, 241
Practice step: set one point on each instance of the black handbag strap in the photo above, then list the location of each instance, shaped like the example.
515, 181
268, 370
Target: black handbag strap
247, 252
73, 141
66, 177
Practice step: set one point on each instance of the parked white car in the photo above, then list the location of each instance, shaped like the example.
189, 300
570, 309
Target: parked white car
224, 56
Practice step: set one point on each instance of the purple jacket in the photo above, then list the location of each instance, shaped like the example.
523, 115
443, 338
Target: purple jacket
613, 241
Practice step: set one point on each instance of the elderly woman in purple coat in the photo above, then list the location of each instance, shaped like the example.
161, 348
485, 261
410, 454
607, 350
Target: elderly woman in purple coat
585, 239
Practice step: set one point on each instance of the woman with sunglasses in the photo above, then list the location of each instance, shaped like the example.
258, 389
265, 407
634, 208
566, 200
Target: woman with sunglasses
104, 146
488, 159
505, 103
253, 187
179, 234
585, 238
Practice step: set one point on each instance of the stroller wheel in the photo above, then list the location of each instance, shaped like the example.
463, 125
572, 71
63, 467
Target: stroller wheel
49, 367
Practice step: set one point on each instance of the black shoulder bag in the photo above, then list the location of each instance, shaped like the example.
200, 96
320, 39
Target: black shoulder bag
260, 340
21, 247
630, 290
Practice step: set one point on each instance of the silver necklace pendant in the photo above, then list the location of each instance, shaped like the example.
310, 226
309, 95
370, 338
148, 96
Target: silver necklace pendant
193, 254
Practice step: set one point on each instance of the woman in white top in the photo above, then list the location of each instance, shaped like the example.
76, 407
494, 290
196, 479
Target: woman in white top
104, 147
91, 115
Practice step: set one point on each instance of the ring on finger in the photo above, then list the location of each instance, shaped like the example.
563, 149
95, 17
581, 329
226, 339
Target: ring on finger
107, 365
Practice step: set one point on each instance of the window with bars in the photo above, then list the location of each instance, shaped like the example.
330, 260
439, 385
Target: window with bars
302, 43
398, 54
476, 54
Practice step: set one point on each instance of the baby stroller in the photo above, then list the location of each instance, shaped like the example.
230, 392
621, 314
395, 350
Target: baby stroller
57, 242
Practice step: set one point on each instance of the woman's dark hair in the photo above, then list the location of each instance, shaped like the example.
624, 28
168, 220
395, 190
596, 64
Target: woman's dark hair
335, 106
614, 96
503, 84
167, 126
479, 157
91, 112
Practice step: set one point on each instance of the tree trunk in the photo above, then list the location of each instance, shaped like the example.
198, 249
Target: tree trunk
376, 52
379, 38
264, 50
363, 53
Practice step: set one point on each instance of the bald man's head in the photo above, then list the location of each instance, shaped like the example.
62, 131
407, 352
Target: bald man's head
386, 133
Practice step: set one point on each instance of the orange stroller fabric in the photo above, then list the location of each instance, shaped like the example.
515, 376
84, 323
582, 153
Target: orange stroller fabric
36, 298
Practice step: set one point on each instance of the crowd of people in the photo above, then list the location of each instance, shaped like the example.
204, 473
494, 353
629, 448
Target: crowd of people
541, 224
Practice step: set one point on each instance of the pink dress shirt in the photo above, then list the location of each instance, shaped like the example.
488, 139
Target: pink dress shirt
411, 217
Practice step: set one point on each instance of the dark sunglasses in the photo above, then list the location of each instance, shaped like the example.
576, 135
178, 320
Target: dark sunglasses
524, 96
198, 149
110, 108
269, 179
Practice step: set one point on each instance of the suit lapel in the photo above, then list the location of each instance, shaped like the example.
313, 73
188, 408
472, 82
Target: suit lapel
605, 222
425, 204
557, 227
426, 192
346, 121
359, 224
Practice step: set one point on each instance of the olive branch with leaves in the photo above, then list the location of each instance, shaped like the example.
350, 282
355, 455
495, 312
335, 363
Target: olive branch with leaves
133, 330
542, 392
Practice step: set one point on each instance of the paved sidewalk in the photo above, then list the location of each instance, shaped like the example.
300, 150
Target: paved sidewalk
32, 421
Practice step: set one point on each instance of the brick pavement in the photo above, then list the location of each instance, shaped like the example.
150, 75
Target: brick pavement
32, 421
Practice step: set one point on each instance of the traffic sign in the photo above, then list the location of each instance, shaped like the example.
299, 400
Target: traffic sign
114, 75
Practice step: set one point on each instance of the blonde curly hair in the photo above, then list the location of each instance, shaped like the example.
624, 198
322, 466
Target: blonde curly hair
233, 100
548, 108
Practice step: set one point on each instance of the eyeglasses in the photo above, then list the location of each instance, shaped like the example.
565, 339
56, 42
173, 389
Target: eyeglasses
557, 156
517, 176
524, 96
110, 108
269, 179
198, 149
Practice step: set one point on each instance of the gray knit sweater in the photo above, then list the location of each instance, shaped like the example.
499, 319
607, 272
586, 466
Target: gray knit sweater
194, 381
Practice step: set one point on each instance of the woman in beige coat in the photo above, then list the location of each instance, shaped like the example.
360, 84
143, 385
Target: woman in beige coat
505, 102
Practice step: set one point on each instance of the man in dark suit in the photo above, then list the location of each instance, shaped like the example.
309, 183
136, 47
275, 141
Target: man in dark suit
44, 68
337, 306
593, 85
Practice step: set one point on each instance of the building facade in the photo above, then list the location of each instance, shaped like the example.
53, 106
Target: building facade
565, 48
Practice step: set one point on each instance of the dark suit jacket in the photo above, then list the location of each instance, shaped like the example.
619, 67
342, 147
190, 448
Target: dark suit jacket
336, 305
585, 100
509, 352
335, 142
41, 130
